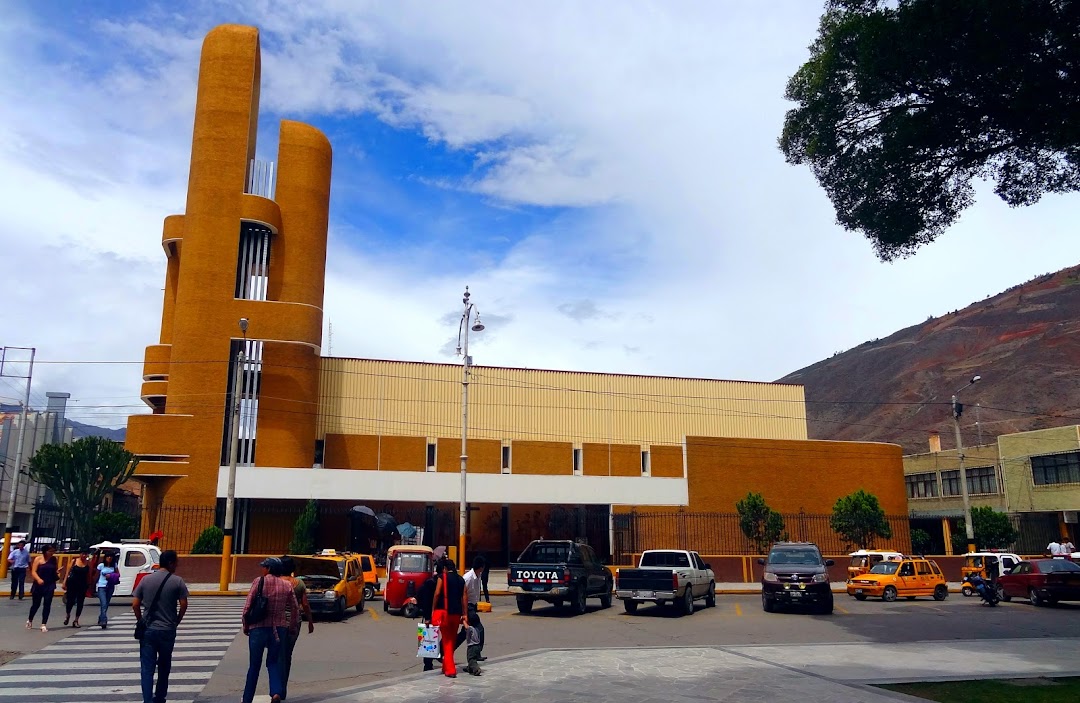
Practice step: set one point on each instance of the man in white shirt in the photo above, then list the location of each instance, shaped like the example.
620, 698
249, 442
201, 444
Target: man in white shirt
1054, 549
473, 584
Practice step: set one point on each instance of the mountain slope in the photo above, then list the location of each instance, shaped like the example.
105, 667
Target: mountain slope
1025, 343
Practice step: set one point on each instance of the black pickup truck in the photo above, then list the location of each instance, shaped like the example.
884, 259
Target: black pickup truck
559, 571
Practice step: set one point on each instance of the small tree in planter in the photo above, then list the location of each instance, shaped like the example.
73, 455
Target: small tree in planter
859, 518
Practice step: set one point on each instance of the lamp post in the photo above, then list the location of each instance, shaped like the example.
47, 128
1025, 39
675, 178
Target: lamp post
957, 410
463, 349
234, 446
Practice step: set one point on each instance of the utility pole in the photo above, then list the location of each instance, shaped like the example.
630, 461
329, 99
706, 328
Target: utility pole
234, 446
958, 410
9, 525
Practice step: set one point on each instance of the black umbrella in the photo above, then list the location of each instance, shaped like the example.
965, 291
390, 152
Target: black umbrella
385, 523
362, 510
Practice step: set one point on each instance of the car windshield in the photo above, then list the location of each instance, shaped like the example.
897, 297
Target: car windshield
885, 567
546, 554
411, 563
805, 557
1057, 566
860, 561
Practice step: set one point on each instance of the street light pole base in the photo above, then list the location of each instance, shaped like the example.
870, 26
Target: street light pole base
226, 563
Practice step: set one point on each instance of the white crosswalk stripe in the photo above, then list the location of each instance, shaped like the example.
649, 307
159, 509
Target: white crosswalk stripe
103, 665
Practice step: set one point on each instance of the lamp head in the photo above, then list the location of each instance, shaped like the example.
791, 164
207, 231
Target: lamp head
243, 324
976, 379
478, 326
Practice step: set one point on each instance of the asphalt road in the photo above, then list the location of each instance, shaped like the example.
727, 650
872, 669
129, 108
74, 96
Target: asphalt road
375, 646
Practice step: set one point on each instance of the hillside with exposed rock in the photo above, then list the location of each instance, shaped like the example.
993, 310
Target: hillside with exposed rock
1025, 343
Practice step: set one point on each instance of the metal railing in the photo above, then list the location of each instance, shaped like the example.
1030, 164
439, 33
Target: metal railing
260, 178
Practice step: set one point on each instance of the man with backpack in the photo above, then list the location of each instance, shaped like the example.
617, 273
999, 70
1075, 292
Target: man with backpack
268, 601
165, 597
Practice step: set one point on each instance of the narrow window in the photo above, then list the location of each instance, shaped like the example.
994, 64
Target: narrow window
577, 461
506, 458
320, 445
431, 455
645, 463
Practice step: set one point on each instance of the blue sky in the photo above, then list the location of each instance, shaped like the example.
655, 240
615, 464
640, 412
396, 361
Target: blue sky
604, 176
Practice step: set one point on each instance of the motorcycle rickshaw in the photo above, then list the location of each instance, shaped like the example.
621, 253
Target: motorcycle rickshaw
407, 567
987, 565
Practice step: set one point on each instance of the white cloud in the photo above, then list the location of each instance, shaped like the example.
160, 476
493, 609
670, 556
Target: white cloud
654, 124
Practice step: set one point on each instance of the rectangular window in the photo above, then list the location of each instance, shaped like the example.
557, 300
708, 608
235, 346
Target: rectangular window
950, 483
922, 485
320, 447
506, 459
1051, 469
922, 568
645, 463
431, 455
577, 461
981, 480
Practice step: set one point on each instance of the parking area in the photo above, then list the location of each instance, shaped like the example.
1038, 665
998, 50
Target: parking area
375, 646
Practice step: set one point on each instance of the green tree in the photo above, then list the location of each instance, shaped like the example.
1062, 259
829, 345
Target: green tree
210, 541
920, 541
305, 529
761, 524
903, 103
993, 530
81, 474
113, 527
859, 518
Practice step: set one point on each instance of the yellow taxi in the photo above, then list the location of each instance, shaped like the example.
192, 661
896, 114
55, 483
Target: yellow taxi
371, 576
335, 581
907, 578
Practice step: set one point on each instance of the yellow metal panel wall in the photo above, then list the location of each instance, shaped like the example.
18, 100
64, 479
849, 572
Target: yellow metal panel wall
1016, 452
363, 396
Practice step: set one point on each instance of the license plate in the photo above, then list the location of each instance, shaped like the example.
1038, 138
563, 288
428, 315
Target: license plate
858, 591
796, 594
538, 587
644, 594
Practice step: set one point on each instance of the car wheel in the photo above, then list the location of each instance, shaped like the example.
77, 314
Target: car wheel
967, 591
860, 596
1002, 595
339, 612
1035, 599
360, 605
630, 606
767, 605
941, 592
369, 592
579, 602
605, 600
524, 604
889, 594
411, 610
686, 605
826, 608
385, 606
710, 595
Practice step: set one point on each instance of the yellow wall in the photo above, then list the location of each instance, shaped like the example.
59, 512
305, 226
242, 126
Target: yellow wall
1016, 452
936, 462
362, 396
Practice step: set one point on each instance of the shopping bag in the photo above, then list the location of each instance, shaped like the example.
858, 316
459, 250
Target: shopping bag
428, 639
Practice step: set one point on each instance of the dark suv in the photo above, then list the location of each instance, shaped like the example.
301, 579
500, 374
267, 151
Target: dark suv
796, 574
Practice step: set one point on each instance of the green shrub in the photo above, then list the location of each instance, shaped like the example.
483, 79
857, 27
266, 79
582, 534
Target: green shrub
303, 541
113, 527
210, 541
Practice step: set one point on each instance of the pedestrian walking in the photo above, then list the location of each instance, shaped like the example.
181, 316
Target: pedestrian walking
288, 572
473, 587
45, 572
271, 602
18, 561
165, 596
449, 612
425, 598
484, 583
107, 578
75, 585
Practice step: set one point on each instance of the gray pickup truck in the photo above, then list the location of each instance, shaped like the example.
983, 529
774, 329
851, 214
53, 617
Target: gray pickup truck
667, 576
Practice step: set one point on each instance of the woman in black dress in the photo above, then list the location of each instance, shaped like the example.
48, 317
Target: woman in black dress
45, 572
78, 579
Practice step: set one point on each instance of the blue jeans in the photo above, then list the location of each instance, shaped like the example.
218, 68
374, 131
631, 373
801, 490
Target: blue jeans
156, 650
260, 639
103, 600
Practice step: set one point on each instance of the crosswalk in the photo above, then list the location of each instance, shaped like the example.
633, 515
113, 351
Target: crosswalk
103, 665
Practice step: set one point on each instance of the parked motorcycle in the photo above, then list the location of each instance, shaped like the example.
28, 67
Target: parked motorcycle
987, 590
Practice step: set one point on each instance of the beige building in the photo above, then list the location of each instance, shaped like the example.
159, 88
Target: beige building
1034, 476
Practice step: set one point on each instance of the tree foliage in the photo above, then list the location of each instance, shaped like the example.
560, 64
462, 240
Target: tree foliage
859, 518
993, 530
903, 103
112, 527
81, 474
305, 529
920, 541
210, 541
761, 524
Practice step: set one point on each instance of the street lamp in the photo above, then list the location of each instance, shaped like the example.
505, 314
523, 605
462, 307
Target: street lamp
957, 410
463, 349
234, 446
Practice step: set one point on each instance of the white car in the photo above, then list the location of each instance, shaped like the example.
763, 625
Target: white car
132, 557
